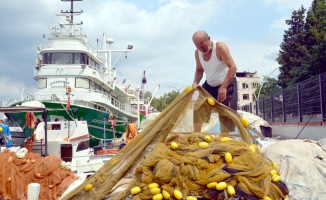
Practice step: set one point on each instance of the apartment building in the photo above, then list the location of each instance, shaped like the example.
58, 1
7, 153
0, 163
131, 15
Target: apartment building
247, 82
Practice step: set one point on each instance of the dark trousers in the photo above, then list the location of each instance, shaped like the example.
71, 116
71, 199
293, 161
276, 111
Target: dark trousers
231, 94
231, 101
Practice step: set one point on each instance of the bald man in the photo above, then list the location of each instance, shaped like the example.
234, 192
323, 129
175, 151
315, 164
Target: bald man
215, 60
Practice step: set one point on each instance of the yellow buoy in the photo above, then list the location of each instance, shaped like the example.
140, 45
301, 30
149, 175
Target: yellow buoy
157, 196
252, 148
153, 185
135, 190
174, 145
273, 172
155, 190
211, 184
166, 195
208, 138
225, 139
275, 165
191, 198
187, 89
177, 194
231, 190
203, 144
211, 101
228, 157
221, 185
267, 198
89, 187
276, 178
244, 122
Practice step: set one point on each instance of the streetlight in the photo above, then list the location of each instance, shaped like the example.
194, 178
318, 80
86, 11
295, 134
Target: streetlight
262, 83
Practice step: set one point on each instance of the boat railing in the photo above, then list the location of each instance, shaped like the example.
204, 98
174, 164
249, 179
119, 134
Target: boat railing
49, 44
65, 64
24, 97
107, 97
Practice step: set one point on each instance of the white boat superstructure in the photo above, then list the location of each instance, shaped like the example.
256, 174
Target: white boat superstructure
69, 141
73, 74
69, 67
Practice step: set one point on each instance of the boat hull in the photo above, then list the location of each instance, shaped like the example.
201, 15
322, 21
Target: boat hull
99, 127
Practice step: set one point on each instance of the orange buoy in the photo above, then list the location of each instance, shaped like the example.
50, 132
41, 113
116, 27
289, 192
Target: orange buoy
30, 119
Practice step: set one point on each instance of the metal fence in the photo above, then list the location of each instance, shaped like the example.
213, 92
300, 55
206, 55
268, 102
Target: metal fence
305, 102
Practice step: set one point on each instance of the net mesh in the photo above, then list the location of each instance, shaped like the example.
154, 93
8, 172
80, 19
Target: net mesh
193, 164
17, 172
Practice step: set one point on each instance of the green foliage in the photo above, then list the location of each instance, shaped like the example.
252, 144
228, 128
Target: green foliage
270, 86
162, 102
303, 49
293, 53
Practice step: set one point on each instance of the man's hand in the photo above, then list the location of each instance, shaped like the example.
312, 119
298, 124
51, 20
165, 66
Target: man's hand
221, 95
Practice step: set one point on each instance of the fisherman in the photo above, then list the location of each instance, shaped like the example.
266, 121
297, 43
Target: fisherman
215, 60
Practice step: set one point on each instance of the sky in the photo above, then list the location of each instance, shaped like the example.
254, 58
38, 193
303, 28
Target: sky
159, 30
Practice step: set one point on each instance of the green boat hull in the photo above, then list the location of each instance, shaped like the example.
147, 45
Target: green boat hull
100, 129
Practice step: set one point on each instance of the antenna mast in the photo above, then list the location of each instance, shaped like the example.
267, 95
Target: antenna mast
72, 12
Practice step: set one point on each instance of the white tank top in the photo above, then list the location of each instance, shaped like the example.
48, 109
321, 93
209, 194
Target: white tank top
214, 69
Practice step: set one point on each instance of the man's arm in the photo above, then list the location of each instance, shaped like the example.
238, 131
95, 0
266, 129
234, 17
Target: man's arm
199, 71
223, 54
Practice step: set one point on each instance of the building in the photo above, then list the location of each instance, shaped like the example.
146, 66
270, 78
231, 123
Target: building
247, 82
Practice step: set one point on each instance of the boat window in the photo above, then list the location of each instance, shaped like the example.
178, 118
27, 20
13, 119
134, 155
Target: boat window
82, 83
62, 58
84, 58
76, 57
65, 58
82, 146
41, 83
47, 58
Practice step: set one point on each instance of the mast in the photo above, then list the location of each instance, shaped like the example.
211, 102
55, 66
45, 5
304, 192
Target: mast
72, 12
143, 82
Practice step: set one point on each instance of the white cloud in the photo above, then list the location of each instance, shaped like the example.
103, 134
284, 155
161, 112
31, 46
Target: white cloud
160, 31
11, 89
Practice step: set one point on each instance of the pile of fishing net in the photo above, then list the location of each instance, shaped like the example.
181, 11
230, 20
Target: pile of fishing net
201, 165
169, 160
19, 169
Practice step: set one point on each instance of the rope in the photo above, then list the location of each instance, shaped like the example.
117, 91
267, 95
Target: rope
101, 139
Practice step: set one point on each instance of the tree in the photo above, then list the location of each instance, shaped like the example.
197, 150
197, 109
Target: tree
162, 102
315, 37
303, 50
293, 54
270, 86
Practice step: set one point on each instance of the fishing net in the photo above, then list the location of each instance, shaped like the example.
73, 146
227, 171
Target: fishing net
17, 172
187, 163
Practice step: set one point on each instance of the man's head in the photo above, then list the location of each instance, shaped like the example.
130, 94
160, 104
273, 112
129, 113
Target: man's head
202, 41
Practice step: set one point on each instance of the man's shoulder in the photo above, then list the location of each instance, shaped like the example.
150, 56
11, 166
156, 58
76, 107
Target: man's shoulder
220, 44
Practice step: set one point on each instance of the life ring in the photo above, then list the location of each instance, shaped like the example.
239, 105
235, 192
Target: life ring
30, 119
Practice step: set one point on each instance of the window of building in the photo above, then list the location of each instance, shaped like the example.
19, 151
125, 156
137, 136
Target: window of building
254, 85
245, 96
244, 85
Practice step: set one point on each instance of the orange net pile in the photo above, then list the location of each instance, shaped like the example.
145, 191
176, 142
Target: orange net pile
18, 171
